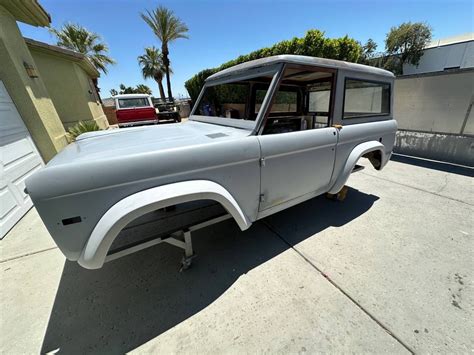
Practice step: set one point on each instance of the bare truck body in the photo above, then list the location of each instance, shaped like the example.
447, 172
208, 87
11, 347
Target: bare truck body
263, 136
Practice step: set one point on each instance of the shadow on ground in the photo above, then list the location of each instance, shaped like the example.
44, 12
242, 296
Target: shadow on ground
134, 299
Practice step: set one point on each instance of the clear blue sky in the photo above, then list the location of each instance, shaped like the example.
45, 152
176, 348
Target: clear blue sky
220, 30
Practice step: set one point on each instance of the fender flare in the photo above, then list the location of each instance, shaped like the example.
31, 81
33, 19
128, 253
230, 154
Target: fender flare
126, 210
351, 161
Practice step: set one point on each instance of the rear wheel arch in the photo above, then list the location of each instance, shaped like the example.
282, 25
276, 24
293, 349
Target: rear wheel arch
126, 210
373, 150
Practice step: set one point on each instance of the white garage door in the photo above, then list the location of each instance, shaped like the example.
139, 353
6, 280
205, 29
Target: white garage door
18, 160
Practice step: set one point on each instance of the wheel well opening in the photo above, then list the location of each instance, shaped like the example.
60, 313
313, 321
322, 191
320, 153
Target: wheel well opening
164, 221
375, 158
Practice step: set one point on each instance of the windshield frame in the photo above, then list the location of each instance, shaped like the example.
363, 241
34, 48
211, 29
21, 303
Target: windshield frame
274, 70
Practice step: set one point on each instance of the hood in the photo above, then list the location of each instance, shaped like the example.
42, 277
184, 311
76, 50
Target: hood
131, 141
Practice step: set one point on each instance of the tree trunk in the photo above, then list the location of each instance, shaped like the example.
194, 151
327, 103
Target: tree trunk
166, 62
162, 90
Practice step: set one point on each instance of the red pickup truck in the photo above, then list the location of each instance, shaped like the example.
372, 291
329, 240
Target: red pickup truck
135, 109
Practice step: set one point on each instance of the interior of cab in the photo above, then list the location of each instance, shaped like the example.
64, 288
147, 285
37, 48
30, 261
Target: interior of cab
303, 100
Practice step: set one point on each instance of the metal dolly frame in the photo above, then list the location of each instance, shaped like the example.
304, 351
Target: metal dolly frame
181, 239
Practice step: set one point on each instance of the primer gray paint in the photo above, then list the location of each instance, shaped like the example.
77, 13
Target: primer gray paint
250, 174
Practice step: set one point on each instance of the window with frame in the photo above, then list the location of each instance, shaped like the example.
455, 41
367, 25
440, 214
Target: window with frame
225, 100
302, 102
319, 101
286, 101
366, 98
133, 102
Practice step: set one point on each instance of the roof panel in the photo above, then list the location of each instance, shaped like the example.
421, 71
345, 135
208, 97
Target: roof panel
300, 59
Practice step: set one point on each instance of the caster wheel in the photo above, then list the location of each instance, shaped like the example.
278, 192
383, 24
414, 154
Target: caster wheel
186, 263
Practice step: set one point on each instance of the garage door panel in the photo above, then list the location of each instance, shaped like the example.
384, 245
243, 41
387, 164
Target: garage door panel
19, 184
15, 151
4, 96
8, 204
18, 160
11, 120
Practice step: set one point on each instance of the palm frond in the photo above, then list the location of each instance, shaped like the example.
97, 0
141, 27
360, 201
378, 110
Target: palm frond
151, 64
79, 39
165, 24
82, 127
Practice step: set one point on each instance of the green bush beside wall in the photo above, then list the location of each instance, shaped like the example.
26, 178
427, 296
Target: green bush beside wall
313, 44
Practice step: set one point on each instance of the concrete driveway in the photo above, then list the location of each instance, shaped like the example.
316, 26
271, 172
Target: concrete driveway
389, 270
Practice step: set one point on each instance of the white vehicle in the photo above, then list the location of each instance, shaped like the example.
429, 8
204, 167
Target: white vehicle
263, 136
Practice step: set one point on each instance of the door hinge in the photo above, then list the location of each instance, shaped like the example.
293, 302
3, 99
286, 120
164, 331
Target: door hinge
262, 197
262, 161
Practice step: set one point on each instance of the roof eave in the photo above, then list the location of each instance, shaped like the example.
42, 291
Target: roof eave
28, 11
60, 52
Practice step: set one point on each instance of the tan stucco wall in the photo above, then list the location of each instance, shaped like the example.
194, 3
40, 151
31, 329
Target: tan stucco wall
29, 94
435, 103
70, 89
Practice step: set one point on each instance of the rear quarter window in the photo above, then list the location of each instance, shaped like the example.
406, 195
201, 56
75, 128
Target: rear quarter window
366, 98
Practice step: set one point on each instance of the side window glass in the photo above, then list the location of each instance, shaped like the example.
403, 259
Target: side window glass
303, 101
366, 98
284, 102
319, 100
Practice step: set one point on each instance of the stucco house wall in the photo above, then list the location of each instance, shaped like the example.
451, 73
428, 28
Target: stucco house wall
69, 85
57, 92
30, 95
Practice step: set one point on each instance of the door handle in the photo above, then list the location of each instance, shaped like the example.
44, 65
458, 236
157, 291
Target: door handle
338, 126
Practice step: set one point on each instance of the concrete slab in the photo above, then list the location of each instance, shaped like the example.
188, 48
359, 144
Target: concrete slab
29, 236
395, 273
408, 260
246, 292
29, 287
441, 179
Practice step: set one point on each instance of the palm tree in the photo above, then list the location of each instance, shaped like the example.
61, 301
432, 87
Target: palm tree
152, 67
167, 27
143, 89
79, 39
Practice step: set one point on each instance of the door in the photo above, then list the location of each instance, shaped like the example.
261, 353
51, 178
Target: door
295, 164
18, 160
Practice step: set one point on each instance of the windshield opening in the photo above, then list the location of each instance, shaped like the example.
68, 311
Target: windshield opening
225, 100
233, 103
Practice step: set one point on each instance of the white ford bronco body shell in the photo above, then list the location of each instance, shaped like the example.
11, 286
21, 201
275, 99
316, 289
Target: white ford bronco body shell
294, 129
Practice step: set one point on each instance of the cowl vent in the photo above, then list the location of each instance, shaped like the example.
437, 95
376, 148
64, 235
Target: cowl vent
216, 135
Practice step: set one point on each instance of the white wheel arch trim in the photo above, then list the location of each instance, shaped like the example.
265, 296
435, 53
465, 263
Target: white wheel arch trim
351, 161
123, 212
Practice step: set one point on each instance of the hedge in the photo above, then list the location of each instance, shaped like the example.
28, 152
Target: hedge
313, 44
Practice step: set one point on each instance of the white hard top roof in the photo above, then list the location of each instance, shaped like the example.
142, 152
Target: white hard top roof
299, 59
130, 96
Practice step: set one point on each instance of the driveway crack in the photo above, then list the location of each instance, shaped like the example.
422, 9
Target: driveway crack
27, 254
340, 289
417, 188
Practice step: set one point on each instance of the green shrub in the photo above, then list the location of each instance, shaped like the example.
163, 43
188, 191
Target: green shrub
313, 44
82, 127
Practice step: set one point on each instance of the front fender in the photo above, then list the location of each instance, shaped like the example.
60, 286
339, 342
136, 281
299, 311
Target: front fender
351, 161
123, 212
